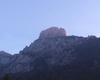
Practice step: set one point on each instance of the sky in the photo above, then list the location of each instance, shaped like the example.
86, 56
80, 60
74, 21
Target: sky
21, 21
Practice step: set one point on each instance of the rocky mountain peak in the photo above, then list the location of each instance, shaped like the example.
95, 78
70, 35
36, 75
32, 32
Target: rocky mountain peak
4, 53
4, 57
52, 32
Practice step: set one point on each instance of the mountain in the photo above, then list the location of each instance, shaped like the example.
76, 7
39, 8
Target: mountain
53, 32
4, 57
55, 56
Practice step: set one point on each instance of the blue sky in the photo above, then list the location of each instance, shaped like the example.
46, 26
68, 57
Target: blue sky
21, 21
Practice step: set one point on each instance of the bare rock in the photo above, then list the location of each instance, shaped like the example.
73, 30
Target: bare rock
5, 57
52, 32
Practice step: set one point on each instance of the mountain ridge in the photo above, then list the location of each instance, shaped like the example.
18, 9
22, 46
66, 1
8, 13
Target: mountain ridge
61, 54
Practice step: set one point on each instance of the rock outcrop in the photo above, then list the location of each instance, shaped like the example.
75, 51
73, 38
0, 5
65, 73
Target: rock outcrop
53, 32
5, 57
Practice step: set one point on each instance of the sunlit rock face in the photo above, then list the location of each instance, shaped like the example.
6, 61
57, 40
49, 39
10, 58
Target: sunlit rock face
52, 32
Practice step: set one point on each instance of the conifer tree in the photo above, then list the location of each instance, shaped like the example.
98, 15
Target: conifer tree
6, 77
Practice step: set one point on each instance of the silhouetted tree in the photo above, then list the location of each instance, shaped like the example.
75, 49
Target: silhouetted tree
18, 79
82, 78
6, 77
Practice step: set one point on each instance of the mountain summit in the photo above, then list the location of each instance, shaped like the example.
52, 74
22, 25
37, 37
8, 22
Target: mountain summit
52, 32
55, 56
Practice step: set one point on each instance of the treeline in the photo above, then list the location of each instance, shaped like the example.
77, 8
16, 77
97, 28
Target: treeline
6, 77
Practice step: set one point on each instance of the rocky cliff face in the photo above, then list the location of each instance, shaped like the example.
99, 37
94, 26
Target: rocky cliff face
54, 48
53, 32
44, 53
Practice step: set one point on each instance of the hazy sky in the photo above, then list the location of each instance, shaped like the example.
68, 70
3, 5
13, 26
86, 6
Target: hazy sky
21, 21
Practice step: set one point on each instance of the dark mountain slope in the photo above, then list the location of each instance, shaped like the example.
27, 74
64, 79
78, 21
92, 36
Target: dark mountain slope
85, 65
